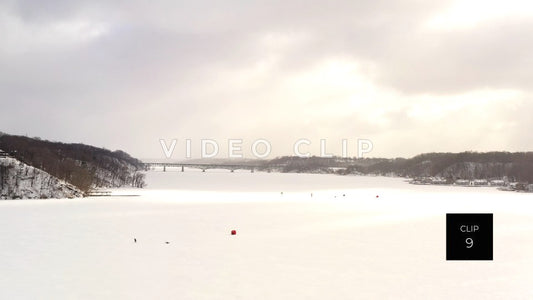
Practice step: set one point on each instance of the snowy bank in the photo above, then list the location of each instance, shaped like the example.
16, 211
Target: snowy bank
20, 181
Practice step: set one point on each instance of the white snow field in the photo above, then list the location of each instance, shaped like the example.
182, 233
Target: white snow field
287, 246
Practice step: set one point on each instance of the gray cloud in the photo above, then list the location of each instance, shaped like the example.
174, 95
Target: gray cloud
123, 74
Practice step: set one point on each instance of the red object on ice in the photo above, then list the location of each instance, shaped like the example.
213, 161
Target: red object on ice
233, 232
377, 196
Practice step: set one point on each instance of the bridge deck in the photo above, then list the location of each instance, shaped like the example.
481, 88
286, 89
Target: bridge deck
204, 166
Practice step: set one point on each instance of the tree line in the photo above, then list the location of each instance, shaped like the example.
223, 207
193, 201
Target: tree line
82, 165
517, 166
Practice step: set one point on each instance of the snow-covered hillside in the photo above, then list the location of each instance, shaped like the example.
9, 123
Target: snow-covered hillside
20, 181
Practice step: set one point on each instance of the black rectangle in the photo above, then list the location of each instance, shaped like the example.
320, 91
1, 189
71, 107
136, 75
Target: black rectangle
469, 236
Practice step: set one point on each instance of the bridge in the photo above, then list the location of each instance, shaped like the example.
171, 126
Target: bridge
203, 167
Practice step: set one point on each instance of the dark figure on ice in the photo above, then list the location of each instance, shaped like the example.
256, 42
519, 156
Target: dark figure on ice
134, 240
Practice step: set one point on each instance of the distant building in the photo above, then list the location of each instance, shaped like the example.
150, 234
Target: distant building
497, 182
438, 180
480, 182
513, 185
421, 180
462, 182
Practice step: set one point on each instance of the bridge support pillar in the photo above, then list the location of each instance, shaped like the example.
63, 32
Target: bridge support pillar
203, 170
251, 170
183, 168
164, 168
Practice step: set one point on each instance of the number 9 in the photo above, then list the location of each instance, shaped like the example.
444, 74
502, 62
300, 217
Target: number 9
469, 243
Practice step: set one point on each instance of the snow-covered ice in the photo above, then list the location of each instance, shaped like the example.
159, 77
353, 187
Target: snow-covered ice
341, 243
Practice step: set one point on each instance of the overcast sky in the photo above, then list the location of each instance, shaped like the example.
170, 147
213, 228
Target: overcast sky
412, 76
